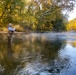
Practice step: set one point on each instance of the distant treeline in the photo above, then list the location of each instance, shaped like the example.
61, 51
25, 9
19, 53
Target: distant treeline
71, 26
37, 15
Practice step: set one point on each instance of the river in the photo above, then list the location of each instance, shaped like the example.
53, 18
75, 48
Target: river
38, 54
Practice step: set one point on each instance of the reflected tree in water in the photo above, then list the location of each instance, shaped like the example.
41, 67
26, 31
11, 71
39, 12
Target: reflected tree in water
27, 52
51, 48
7, 60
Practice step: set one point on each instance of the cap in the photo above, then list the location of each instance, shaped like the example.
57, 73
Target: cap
10, 24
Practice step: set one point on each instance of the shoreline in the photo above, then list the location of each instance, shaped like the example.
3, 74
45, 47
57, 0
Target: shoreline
42, 32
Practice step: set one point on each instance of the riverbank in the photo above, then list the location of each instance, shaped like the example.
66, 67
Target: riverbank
51, 32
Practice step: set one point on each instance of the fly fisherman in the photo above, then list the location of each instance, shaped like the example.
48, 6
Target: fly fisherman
11, 30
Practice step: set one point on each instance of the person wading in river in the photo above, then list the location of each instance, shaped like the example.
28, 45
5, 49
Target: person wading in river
10, 30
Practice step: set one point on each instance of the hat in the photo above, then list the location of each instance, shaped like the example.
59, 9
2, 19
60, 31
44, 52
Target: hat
10, 24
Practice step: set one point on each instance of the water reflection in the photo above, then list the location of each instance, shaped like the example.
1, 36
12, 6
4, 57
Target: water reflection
69, 52
9, 46
7, 60
36, 54
51, 48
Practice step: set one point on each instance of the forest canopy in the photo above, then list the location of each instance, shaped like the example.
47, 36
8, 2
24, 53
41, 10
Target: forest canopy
40, 15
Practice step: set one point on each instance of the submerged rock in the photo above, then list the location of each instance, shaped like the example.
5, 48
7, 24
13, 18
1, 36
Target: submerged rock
54, 70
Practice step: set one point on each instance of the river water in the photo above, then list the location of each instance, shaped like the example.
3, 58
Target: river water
38, 54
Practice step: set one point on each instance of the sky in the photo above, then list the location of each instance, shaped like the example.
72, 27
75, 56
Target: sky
72, 14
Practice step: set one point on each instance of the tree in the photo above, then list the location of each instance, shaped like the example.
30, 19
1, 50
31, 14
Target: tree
71, 26
36, 14
52, 10
58, 25
11, 10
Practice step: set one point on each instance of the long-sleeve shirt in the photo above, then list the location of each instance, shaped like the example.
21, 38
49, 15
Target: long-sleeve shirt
11, 29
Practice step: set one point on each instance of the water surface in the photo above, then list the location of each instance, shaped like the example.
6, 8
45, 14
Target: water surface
38, 54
